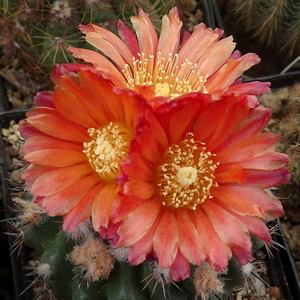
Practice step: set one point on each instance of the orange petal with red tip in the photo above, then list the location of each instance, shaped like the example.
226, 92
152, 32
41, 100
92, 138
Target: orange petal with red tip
32, 172
129, 38
197, 43
238, 204
138, 251
215, 55
42, 142
230, 229
102, 64
72, 108
124, 205
142, 218
254, 146
103, 204
53, 125
115, 42
96, 40
57, 180
255, 121
231, 70
63, 201
166, 238
270, 204
82, 211
151, 152
55, 157
44, 99
256, 227
266, 162
189, 242
180, 269
135, 167
142, 189
268, 179
217, 252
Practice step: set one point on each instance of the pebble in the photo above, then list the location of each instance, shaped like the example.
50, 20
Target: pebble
275, 292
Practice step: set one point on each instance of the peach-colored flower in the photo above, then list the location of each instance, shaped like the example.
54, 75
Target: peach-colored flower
75, 139
164, 65
194, 184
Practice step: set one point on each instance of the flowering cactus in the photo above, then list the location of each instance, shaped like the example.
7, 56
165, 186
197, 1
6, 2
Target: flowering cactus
162, 191
165, 67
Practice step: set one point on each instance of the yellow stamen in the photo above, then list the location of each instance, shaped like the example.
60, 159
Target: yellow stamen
107, 148
168, 78
187, 174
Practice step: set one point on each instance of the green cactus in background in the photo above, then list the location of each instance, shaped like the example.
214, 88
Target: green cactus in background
80, 265
38, 33
286, 122
274, 23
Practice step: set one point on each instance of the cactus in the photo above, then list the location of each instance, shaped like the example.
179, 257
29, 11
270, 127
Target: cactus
38, 33
273, 23
80, 265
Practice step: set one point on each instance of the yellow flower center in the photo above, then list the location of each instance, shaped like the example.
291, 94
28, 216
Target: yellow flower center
169, 79
107, 148
187, 174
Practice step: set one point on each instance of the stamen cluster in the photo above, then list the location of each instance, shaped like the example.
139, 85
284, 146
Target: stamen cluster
107, 148
169, 79
187, 174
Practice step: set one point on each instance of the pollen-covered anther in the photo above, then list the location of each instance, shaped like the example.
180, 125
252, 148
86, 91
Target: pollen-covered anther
168, 77
107, 148
187, 174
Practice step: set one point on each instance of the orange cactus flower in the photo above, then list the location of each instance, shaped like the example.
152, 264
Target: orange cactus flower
165, 65
75, 140
194, 185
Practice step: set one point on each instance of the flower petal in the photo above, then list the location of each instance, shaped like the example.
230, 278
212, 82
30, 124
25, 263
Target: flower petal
62, 202
52, 125
101, 64
82, 211
180, 269
166, 238
196, 45
44, 99
237, 204
270, 204
254, 146
36, 143
145, 32
129, 38
55, 157
231, 70
217, 252
170, 33
267, 179
103, 204
139, 251
142, 189
230, 229
123, 206
142, 217
57, 180
189, 243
